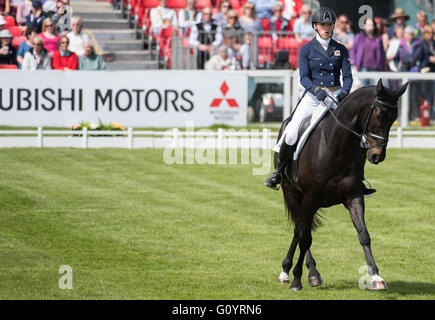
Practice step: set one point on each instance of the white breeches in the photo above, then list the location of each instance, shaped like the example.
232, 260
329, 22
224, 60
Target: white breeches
309, 106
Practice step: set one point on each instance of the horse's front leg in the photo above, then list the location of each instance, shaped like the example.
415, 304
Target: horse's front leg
314, 278
356, 210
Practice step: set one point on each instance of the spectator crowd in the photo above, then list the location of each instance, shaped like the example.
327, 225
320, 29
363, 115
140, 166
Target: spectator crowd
383, 45
222, 32
36, 35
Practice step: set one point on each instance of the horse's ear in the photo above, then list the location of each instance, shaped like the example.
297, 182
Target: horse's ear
379, 86
401, 90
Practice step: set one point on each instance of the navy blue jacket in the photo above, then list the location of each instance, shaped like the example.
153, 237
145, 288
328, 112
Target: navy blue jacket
320, 68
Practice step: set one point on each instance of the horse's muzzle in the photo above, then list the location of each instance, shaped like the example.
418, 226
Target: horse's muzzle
376, 157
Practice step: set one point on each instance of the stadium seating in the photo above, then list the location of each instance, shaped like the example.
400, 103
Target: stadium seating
143, 10
235, 4
176, 4
290, 45
200, 4
17, 40
8, 66
15, 31
165, 45
265, 50
10, 21
265, 24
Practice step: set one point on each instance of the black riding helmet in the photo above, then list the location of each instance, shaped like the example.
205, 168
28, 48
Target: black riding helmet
324, 15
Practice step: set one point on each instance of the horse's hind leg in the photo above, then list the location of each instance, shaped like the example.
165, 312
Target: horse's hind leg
292, 199
305, 239
288, 260
314, 278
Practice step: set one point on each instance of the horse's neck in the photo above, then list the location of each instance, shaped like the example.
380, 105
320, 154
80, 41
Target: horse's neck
353, 112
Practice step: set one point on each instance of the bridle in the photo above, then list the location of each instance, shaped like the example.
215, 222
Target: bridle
382, 141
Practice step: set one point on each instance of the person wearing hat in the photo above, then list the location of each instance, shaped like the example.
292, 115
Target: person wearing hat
399, 17
36, 17
8, 54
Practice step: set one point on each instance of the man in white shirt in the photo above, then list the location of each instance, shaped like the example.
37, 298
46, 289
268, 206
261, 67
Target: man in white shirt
162, 17
205, 36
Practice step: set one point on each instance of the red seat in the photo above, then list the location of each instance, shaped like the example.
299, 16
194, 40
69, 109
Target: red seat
286, 44
176, 4
265, 24
290, 45
10, 21
265, 50
143, 11
265, 43
235, 4
165, 44
200, 4
16, 41
147, 4
8, 66
164, 40
15, 31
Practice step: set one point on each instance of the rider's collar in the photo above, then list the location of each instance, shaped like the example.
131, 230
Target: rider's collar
324, 43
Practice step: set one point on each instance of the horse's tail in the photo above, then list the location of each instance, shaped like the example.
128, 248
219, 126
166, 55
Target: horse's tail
293, 216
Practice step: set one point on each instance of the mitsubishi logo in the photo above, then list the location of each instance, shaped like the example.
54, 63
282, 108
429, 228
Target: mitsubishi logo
217, 101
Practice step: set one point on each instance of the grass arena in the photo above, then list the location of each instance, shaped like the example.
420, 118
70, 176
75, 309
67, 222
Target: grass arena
105, 196
126, 225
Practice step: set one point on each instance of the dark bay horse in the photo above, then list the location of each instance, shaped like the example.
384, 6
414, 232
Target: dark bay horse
330, 171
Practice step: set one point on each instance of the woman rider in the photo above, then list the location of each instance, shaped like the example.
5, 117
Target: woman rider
321, 61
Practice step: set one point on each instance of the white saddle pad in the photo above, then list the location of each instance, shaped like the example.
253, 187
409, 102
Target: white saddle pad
317, 115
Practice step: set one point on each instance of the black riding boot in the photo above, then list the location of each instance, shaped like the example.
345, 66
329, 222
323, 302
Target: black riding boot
367, 192
284, 156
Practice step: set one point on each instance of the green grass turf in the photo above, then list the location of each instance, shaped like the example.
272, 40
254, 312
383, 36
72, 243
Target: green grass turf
133, 227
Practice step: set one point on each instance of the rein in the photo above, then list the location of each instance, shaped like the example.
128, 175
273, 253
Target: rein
363, 136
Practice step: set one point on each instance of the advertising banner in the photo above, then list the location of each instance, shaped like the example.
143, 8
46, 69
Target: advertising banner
156, 98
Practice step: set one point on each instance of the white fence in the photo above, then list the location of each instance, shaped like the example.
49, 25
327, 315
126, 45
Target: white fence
240, 139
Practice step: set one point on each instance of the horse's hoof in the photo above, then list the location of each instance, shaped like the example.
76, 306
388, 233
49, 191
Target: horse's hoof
297, 288
378, 283
296, 285
315, 281
284, 278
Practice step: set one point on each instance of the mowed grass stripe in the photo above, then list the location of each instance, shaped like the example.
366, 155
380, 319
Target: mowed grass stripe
133, 227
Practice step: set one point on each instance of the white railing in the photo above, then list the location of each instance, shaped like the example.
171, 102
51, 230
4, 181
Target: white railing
222, 138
